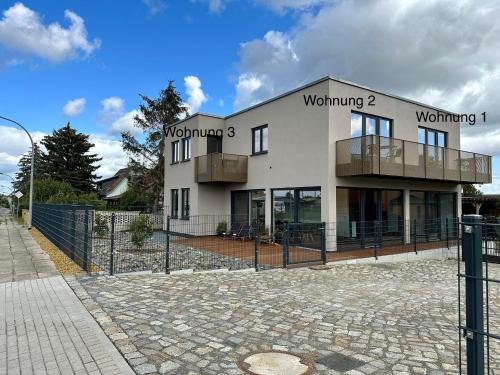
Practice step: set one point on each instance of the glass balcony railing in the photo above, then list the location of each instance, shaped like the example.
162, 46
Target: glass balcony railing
220, 167
381, 156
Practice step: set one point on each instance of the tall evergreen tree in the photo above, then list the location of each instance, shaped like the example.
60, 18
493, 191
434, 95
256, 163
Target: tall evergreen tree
24, 172
146, 154
68, 159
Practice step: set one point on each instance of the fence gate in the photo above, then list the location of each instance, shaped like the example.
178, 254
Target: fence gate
481, 329
304, 243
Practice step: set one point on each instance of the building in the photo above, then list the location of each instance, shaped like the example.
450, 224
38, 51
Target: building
487, 205
330, 151
110, 189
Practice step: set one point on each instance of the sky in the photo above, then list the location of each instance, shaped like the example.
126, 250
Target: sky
87, 61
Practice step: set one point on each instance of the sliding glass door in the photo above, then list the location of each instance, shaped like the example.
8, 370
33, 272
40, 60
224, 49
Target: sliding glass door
369, 217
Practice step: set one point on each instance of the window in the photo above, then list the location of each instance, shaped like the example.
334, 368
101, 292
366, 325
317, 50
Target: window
186, 149
174, 203
175, 152
362, 124
297, 205
432, 137
259, 140
185, 204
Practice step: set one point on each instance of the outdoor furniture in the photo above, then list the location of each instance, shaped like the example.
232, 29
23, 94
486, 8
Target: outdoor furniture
234, 230
245, 232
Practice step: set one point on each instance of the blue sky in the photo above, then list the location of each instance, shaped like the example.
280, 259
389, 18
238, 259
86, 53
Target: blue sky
87, 61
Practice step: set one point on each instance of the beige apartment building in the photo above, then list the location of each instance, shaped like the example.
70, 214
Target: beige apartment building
330, 151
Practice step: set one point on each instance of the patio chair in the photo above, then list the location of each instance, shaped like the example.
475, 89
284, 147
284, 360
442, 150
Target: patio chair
234, 230
245, 232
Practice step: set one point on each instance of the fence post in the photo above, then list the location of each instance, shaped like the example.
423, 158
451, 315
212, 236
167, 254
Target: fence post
167, 252
415, 235
112, 252
323, 242
473, 257
285, 245
73, 233
256, 246
85, 241
447, 235
376, 240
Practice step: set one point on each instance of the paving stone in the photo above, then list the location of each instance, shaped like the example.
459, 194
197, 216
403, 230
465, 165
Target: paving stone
358, 319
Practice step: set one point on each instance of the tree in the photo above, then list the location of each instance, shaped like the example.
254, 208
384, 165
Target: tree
24, 172
146, 155
68, 159
469, 190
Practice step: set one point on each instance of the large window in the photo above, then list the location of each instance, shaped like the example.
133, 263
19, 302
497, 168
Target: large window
185, 204
175, 152
431, 212
259, 140
248, 206
186, 149
297, 205
432, 137
363, 124
369, 216
174, 203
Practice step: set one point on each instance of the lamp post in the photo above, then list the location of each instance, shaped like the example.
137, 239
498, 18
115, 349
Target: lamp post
32, 166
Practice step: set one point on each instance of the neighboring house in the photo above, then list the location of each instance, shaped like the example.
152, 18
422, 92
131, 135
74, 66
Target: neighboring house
359, 165
486, 205
110, 189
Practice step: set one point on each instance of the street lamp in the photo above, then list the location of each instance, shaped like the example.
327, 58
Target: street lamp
32, 166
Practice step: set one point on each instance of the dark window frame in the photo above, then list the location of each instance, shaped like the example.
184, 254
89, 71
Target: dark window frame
296, 191
174, 206
261, 143
436, 136
185, 194
185, 141
377, 119
175, 155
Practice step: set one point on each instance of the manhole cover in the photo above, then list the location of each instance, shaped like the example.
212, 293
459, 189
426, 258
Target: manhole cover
275, 363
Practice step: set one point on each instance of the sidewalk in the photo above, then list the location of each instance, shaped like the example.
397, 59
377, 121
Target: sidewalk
44, 328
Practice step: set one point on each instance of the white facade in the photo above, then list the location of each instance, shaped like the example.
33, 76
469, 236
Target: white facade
301, 151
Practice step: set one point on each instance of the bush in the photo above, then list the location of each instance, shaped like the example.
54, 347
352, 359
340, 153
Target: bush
101, 227
141, 228
221, 228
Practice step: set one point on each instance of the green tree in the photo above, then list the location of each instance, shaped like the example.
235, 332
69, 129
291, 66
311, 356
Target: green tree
146, 154
68, 159
469, 190
23, 175
133, 197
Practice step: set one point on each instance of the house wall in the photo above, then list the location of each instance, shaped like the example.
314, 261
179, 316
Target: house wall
120, 189
302, 149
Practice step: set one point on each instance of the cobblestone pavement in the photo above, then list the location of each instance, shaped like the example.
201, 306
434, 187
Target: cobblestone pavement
44, 328
355, 319
20, 256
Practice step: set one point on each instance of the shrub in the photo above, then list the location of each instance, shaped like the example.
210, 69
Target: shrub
141, 228
221, 228
101, 227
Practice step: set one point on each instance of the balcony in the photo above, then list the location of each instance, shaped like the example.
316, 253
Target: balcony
373, 155
219, 167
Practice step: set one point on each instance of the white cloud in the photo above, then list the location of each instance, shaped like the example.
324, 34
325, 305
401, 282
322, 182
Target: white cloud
113, 156
112, 108
214, 6
114, 115
125, 123
74, 107
196, 96
281, 5
22, 30
155, 6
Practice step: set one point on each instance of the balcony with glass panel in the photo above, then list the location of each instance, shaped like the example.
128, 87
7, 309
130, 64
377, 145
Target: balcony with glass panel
221, 167
374, 155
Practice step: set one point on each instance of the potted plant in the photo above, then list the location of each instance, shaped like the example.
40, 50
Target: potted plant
221, 228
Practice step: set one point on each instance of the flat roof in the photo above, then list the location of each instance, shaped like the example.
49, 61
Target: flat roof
331, 78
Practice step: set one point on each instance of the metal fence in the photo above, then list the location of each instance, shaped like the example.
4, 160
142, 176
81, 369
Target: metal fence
479, 280
149, 240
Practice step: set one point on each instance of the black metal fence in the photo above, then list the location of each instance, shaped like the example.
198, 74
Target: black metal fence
148, 240
480, 325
